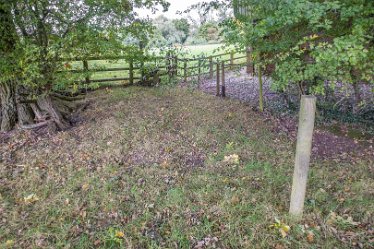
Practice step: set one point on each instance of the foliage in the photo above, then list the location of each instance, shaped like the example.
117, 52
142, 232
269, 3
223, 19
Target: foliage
183, 26
309, 41
209, 31
168, 32
49, 30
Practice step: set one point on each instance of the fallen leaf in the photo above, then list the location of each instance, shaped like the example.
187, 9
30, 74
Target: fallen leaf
31, 198
120, 234
85, 187
235, 200
310, 237
231, 159
9, 243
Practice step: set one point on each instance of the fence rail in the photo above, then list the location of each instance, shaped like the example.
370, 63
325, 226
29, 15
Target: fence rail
131, 72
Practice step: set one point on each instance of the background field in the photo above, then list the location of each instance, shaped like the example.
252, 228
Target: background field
192, 52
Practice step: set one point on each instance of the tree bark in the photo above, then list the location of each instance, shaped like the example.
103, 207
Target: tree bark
24, 111
8, 106
358, 99
46, 105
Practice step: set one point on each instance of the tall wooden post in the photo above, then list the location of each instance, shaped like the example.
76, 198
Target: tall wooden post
217, 90
199, 72
223, 79
231, 60
167, 65
303, 152
175, 67
185, 70
85, 69
141, 46
131, 71
210, 67
260, 90
142, 68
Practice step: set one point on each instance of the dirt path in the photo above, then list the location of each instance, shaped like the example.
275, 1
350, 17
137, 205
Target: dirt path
338, 145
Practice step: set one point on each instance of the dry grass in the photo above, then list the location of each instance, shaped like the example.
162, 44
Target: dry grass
150, 163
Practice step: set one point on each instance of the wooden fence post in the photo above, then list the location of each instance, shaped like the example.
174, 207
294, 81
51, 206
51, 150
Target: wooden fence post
175, 68
185, 71
198, 71
223, 79
156, 79
142, 68
210, 67
141, 46
303, 152
217, 90
85, 69
260, 90
231, 60
167, 65
131, 72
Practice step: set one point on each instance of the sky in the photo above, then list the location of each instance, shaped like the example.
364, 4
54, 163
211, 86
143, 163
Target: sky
175, 5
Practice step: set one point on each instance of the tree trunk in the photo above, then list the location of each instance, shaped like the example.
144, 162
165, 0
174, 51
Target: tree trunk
24, 111
358, 99
46, 105
8, 106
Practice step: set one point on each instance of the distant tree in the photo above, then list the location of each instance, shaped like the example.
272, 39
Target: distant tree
209, 31
183, 26
172, 31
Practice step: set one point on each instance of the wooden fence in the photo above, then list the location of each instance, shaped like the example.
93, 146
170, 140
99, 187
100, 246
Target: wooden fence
127, 72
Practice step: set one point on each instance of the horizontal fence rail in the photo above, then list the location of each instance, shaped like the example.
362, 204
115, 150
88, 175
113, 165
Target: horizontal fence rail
127, 71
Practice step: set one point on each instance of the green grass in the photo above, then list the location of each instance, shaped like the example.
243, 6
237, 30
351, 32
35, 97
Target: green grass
149, 162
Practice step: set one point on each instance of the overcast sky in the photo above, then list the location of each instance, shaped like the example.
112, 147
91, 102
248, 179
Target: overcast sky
175, 5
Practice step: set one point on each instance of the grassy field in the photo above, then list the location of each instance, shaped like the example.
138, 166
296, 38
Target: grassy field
174, 168
185, 52
209, 49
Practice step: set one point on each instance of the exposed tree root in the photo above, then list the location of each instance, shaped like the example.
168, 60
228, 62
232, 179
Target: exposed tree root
56, 111
35, 126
